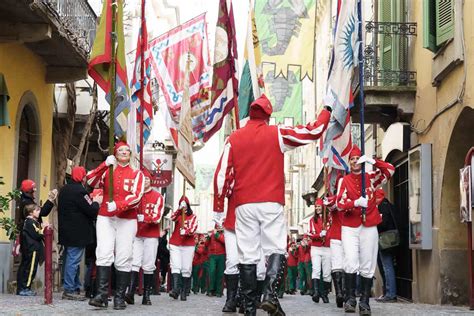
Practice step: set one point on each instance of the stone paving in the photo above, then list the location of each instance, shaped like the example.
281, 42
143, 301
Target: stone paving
294, 305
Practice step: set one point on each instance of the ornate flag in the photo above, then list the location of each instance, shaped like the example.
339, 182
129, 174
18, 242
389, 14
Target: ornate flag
101, 58
251, 81
136, 89
169, 53
224, 80
337, 138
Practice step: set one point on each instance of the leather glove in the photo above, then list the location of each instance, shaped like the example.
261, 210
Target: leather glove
110, 161
361, 202
366, 159
111, 207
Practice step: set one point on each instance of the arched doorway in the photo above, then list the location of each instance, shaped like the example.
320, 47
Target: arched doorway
453, 234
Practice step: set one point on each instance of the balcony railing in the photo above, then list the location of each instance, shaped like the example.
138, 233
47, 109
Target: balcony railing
77, 17
386, 58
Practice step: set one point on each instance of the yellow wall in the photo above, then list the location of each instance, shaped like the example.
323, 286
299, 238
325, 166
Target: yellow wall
435, 271
24, 71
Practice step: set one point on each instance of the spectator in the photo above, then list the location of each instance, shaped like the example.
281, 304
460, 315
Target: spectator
164, 257
32, 250
386, 209
76, 215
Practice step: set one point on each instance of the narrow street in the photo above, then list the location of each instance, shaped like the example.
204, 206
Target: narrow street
293, 305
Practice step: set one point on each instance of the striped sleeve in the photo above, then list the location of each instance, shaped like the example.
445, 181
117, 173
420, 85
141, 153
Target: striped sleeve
135, 195
311, 230
292, 137
382, 174
223, 178
342, 201
95, 178
192, 225
175, 216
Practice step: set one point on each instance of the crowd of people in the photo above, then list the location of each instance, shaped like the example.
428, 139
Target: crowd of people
249, 252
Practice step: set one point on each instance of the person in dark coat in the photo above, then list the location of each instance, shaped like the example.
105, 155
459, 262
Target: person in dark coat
76, 215
28, 190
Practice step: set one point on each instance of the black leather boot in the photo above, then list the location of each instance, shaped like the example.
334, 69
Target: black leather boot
351, 303
260, 284
274, 276
122, 280
326, 289
248, 290
102, 281
316, 295
147, 288
366, 288
232, 282
184, 288
175, 289
132, 288
337, 279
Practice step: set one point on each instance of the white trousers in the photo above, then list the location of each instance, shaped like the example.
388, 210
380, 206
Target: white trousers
181, 260
361, 245
115, 242
232, 257
337, 255
321, 258
144, 254
260, 227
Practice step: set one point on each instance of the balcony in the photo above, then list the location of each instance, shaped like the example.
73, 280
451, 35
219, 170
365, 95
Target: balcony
389, 83
60, 32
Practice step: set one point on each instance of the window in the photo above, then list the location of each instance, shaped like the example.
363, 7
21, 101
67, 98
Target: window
438, 23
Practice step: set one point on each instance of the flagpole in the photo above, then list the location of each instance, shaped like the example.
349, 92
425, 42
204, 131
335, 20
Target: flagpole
112, 97
361, 99
142, 81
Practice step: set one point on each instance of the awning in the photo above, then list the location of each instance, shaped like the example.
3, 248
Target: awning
4, 97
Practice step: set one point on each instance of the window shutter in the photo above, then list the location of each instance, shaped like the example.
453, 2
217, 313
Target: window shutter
429, 25
385, 15
444, 21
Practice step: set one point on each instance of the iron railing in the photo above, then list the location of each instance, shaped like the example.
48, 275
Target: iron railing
386, 58
77, 17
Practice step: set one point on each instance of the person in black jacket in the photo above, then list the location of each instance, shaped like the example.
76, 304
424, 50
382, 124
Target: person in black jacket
76, 215
32, 249
28, 190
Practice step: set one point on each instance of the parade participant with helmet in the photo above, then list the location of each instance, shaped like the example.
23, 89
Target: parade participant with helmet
116, 224
320, 253
182, 248
359, 226
145, 244
252, 170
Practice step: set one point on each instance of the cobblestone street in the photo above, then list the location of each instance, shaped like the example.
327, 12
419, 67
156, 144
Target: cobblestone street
296, 305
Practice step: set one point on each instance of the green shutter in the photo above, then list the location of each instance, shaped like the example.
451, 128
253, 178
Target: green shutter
444, 21
385, 15
429, 25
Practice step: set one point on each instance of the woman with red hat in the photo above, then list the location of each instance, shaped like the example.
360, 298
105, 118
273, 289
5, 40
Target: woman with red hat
145, 244
116, 224
182, 248
359, 233
320, 253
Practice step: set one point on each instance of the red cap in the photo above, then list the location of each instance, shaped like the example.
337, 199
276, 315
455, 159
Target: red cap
261, 108
120, 144
319, 201
78, 173
27, 186
355, 151
185, 199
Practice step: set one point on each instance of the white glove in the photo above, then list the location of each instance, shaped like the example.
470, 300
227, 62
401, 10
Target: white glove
182, 231
111, 206
183, 205
361, 202
218, 217
366, 159
110, 161
326, 202
140, 218
323, 233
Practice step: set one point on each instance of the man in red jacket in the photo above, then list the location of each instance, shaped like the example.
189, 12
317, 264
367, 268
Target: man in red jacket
145, 245
116, 225
216, 261
292, 267
252, 170
359, 237
182, 248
